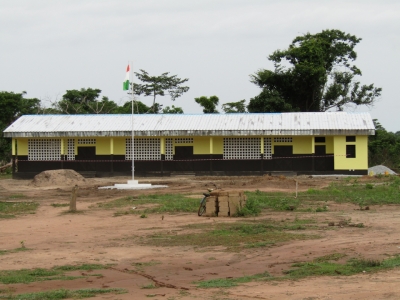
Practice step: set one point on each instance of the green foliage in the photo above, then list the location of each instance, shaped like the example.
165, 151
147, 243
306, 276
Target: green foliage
40, 274
315, 73
209, 104
159, 86
172, 110
84, 101
252, 208
15, 208
231, 282
12, 106
276, 201
234, 237
64, 294
234, 107
384, 148
353, 266
139, 108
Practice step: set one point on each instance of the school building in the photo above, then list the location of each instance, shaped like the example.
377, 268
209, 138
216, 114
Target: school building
207, 144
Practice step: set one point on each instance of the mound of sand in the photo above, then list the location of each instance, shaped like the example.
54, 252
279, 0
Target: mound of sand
58, 177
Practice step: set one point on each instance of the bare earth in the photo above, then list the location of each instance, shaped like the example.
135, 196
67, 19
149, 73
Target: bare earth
96, 236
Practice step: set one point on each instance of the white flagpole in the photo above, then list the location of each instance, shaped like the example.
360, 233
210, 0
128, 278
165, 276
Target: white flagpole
133, 133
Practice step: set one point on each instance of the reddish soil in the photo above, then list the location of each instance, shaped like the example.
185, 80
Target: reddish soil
95, 236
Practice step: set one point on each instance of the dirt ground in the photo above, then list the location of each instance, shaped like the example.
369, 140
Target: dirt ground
96, 236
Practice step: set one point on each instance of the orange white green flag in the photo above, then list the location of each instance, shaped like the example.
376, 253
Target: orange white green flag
126, 81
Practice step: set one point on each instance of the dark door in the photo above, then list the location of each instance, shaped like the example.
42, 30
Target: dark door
283, 158
86, 159
322, 161
183, 157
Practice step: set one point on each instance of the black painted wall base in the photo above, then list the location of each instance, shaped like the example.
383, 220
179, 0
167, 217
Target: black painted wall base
30, 175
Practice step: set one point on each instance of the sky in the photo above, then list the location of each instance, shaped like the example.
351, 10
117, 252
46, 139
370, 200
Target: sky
48, 46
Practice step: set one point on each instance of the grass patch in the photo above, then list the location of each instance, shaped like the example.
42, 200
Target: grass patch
327, 268
140, 266
167, 203
348, 190
149, 286
39, 274
10, 209
320, 267
64, 294
20, 249
230, 282
234, 236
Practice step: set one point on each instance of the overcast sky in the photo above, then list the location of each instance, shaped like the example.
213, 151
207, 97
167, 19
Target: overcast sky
48, 47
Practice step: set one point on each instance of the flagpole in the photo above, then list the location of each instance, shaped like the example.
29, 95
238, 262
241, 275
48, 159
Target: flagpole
133, 133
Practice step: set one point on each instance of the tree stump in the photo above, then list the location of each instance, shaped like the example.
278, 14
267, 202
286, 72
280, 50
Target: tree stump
72, 202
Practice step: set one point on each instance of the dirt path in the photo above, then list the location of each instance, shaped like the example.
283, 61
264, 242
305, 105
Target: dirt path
95, 236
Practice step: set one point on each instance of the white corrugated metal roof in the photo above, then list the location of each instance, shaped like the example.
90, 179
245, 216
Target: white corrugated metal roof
312, 123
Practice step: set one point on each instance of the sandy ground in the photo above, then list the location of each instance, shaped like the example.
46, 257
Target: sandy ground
95, 236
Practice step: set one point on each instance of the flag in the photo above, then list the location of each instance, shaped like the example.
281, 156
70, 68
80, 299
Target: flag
126, 81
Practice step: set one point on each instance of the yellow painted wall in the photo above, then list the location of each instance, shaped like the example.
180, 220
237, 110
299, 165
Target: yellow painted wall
22, 146
201, 145
218, 145
103, 146
119, 145
302, 144
329, 145
360, 162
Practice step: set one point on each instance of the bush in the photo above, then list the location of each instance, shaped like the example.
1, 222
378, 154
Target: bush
252, 208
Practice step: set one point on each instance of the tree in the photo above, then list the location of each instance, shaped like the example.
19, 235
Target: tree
139, 108
172, 110
316, 73
12, 106
85, 101
209, 104
234, 107
159, 85
384, 148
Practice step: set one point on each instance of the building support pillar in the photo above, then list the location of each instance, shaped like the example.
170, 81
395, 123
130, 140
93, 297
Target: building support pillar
112, 156
211, 154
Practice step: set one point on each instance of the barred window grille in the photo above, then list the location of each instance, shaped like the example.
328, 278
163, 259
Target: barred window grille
283, 140
242, 148
267, 148
71, 149
184, 141
44, 149
169, 149
86, 141
144, 149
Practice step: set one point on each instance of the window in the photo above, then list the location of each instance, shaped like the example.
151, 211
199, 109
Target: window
169, 149
44, 149
242, 148
350, 138
283, 140
267, 148
144, 149
350, 151
320, 139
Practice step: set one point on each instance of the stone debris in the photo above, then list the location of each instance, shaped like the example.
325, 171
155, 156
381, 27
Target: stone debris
380, 170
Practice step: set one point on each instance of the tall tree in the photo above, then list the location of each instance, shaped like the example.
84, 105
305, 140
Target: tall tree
234, 107
159, 85
12, 106
172, 110
85, 101
209, 104
384, 148
139, 108
316, 73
